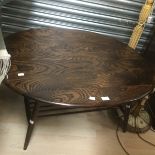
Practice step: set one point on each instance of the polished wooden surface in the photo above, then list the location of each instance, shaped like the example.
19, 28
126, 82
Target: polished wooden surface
67, 67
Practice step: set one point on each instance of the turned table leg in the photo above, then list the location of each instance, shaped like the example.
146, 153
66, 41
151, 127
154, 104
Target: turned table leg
31, 124
126, 117
27, 108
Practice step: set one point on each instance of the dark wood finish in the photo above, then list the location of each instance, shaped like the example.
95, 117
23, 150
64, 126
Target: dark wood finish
35, 109
27, 107
64, 68
31, 124
126, 116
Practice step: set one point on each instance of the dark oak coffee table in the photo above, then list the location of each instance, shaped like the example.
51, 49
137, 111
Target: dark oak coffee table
81, 71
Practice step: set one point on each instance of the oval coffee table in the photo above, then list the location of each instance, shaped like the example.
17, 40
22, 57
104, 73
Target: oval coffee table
57, 69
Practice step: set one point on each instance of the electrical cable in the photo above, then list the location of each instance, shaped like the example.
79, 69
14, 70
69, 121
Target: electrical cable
145, 140
141, 136
118, 138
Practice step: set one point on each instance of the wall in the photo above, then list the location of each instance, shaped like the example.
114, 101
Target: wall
114, 18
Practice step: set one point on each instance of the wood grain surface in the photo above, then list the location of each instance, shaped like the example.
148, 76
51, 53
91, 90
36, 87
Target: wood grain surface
68, 67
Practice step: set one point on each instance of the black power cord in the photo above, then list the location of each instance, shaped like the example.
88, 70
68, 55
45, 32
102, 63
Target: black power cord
141, 136
119, 141
145, 140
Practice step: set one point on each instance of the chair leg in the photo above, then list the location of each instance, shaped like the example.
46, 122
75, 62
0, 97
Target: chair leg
126, 117
31, 124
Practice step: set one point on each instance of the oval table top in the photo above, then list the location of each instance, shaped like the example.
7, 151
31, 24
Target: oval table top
76, 68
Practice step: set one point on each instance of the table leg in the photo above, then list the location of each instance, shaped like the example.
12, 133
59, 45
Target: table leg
31, 124
126, 117
27, 108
